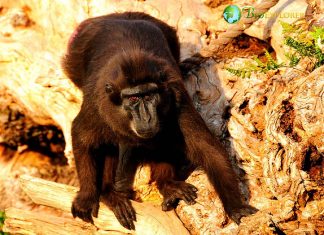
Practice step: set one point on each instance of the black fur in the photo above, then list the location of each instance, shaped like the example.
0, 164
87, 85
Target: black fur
108, 58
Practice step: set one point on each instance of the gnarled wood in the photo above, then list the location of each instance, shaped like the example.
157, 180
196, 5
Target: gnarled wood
150, 219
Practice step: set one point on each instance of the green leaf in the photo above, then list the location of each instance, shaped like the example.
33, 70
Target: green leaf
243, 73
288, 28
293, 59
318, 33
306, 50
301, 47
259, 62
2, 217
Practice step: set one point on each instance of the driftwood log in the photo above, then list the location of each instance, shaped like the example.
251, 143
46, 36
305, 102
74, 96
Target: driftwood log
60, 196
271, 124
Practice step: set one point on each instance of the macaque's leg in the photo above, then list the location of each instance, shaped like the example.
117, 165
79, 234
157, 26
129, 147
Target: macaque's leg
172, 189
109, 172
89, 169
203, 149
126, 169
118, 198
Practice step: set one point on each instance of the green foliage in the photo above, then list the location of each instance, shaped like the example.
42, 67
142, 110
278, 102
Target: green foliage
289, 28
318, 34
271, 63
244, 73
293, 59
303, 43
256, 66
2, 219
309, 50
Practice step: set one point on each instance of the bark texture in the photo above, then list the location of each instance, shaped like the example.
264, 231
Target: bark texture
150, 219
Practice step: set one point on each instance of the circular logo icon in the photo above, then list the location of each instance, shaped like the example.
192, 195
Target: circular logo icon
232, 14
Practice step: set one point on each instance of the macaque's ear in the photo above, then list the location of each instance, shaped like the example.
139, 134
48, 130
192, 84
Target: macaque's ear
109, 88
178, 91
113, 93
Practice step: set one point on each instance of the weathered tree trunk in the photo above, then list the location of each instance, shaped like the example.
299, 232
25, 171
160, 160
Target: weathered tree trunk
275, 121
150, 219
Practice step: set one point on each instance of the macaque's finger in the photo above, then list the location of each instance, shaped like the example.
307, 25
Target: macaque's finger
189, 199
192, 193
131, 210
86, 216
73, 211
192, 188
168, 204
128, 217
95, 210
121, 218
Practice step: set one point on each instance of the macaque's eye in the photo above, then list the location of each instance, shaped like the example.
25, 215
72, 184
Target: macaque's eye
133, 99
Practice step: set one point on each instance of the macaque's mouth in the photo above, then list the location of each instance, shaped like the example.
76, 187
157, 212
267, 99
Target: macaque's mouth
144, 130
146, 134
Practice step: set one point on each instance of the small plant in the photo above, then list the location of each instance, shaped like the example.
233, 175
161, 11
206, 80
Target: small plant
256, 66
2, 219
303, 43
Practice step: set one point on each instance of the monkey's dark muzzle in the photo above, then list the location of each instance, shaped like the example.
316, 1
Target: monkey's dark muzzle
147, 130
146, 123
146, 134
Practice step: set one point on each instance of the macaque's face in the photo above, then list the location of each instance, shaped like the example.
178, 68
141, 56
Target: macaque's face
142, 102
139, 105
139, 98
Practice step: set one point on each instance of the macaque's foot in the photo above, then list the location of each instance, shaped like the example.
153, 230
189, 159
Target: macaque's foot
85, 206
238, 213
120, 204
173, 191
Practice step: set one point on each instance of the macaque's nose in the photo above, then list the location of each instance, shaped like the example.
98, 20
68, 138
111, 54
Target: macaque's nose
147, 129
144, 112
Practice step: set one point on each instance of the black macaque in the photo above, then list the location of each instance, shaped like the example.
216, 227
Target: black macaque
136, 110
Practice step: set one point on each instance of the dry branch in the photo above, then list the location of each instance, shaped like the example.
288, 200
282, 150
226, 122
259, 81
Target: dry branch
150, 218
29, 222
